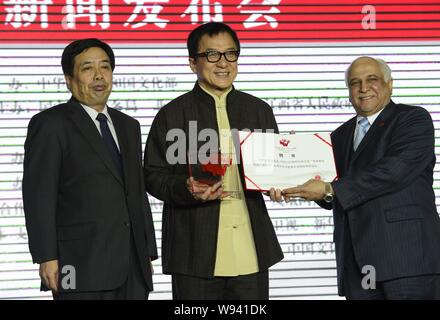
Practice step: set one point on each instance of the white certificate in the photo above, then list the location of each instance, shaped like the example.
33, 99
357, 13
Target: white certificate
285, 160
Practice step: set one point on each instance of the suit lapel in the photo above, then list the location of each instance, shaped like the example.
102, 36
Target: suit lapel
375, 129
122, 140
92, 136
348, 143
343, 146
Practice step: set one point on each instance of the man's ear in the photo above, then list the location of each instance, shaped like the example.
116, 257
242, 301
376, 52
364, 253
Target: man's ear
68, 81
193, 65
390, 86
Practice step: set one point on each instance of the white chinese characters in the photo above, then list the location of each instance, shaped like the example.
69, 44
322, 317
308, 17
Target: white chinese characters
266, 13
194, 11
136, 14
78, 9
22, 13
149, 11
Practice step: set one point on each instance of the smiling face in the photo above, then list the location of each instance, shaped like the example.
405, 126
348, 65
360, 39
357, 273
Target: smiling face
215, 77
369, 93
91, 83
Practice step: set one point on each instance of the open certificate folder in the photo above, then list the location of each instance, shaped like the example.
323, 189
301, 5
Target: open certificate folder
285, 160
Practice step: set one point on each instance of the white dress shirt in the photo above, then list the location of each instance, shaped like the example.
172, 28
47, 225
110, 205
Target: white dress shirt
371, 119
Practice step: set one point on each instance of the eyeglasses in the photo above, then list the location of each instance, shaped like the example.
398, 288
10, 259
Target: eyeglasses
215, 56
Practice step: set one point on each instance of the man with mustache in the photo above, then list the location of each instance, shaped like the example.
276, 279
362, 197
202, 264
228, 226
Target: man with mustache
87, 214
387, 229
215, 245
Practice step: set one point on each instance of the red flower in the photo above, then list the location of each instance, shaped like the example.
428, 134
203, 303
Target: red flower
284, 142
215, 169
217, 165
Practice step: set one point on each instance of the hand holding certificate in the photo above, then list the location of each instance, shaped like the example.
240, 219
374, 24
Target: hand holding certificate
282, 161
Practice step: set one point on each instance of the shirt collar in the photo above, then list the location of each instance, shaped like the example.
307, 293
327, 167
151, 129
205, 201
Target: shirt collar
93, 113
216, 98
370, 118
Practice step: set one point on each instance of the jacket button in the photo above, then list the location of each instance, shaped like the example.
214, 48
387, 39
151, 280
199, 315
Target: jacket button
126, 223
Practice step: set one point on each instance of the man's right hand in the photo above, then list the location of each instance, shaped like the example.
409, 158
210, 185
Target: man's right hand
49, 274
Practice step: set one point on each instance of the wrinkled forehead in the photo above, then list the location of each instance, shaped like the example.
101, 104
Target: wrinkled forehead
364, 66
222, 40
91, 54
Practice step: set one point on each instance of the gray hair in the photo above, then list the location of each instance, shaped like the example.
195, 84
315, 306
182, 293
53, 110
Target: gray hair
384, 68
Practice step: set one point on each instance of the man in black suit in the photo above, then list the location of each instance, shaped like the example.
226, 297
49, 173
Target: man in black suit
215, 245
87, 214
387, 229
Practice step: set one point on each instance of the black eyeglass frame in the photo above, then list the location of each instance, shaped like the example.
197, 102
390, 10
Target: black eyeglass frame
206, 54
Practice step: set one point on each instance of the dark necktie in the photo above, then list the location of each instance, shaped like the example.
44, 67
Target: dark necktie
110, 142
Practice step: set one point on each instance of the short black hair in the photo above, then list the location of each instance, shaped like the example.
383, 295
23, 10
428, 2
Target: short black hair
78, 46
211, 29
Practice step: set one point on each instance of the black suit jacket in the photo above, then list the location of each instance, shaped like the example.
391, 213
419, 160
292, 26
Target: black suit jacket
78, 208
189, 226
385, 192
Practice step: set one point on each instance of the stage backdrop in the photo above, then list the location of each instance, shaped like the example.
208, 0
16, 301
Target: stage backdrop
294, 54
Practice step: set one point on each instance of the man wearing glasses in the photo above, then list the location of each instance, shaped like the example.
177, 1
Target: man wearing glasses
215, 244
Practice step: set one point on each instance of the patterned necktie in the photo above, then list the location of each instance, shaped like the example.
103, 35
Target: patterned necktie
363, 126
110, 142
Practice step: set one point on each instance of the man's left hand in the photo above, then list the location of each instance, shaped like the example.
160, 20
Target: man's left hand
274, 194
